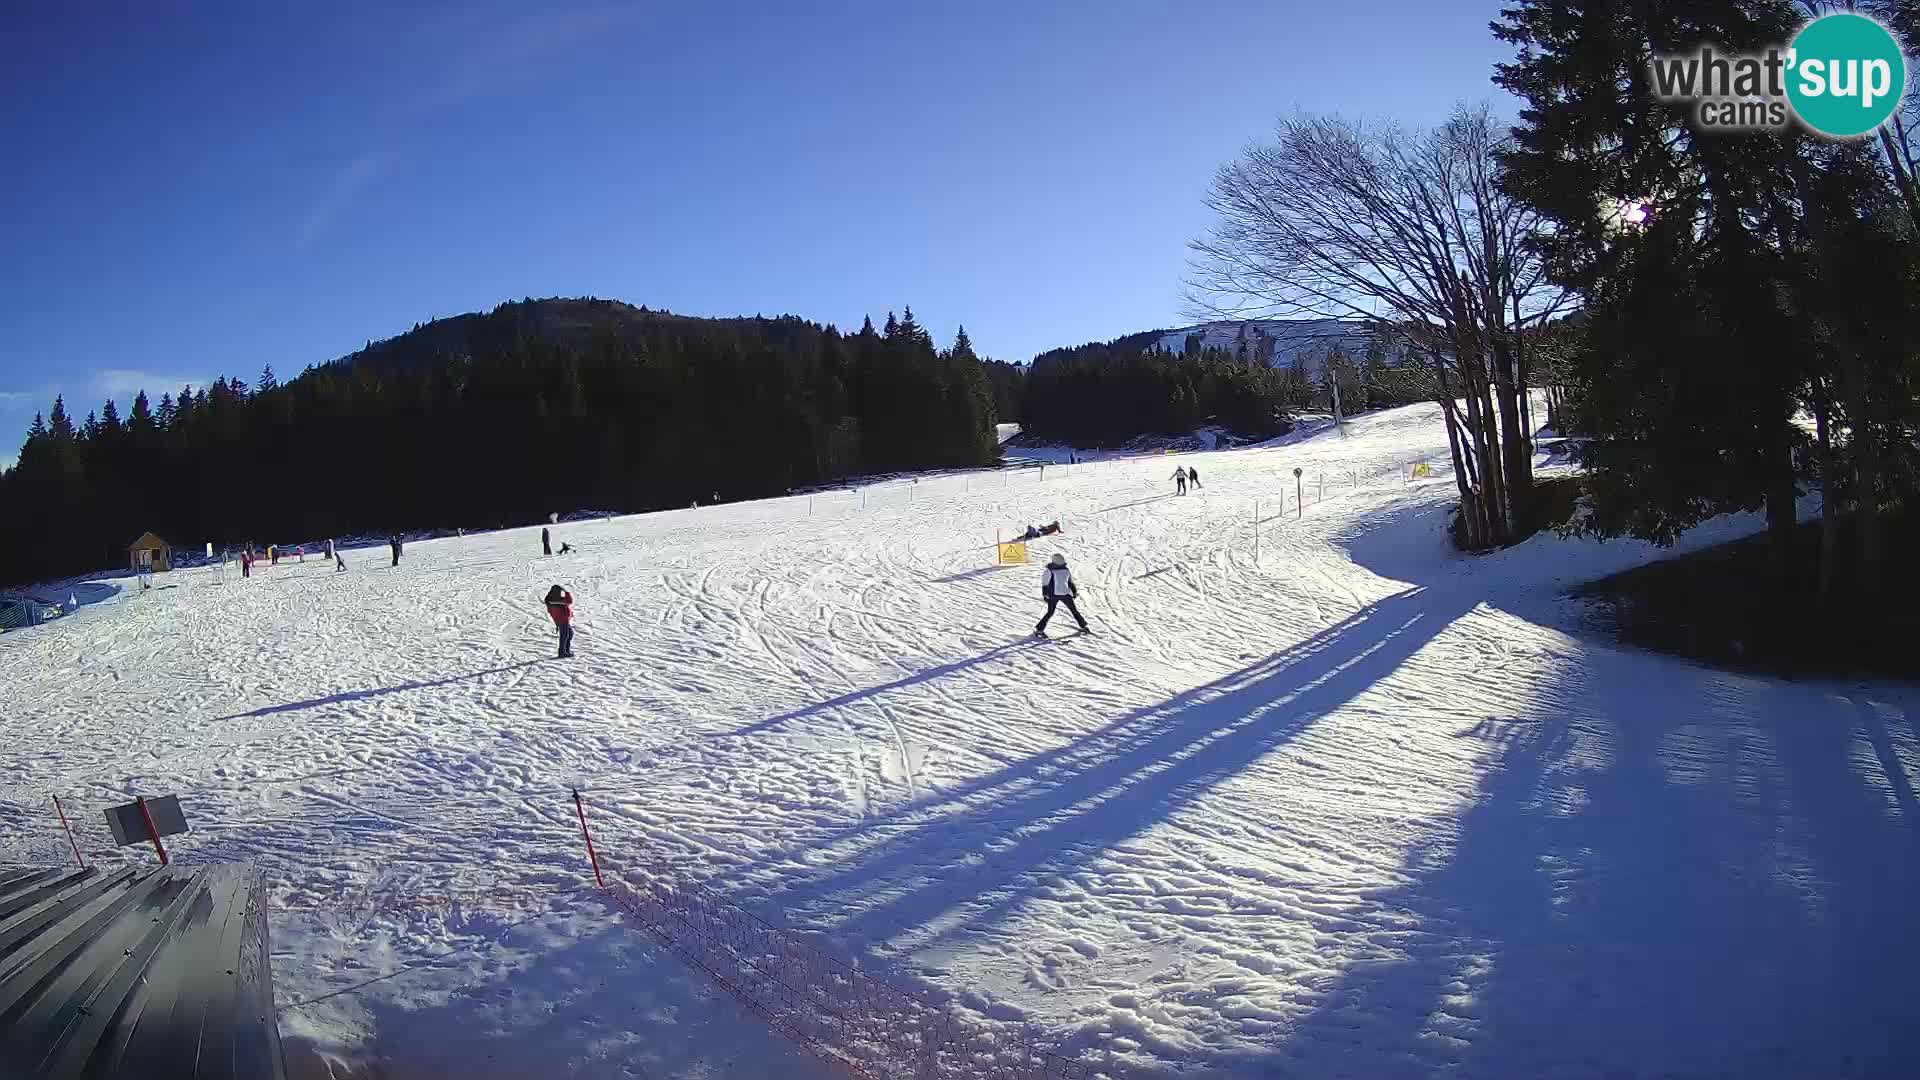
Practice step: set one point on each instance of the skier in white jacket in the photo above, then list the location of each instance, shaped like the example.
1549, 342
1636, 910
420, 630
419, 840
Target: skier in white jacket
1056, 588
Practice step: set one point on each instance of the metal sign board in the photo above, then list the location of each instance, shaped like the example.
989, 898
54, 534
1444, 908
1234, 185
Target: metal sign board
130, 827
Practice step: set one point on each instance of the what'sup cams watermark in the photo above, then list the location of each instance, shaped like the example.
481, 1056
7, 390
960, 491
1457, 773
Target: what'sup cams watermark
1842, 76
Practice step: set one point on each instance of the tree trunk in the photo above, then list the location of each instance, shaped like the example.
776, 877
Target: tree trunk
1901, 175
1472, 513
1514, 445
1862, 446
1829, 495
1781, 512
1493, 488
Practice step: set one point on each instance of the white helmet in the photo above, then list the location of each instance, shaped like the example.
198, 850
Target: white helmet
1057, 560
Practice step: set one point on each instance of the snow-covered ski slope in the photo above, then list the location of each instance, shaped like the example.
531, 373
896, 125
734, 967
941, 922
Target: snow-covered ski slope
1359, 808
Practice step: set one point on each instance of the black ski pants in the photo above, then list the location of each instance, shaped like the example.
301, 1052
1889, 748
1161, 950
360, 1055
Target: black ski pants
1056, 601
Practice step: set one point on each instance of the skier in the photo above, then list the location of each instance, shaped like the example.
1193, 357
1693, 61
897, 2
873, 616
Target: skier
1057, 587
560, 607
339, 564
546, 541
566, 548
1193, 477
246, 563
273, 555
394, 542
1179, 480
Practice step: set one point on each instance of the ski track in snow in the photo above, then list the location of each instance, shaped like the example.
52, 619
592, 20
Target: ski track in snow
1363, 808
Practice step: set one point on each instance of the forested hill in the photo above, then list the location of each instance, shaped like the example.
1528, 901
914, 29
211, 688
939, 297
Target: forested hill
560, 321
493, 419
1105, 393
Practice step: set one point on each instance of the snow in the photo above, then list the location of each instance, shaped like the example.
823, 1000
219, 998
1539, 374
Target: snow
1301, 343
1357, 807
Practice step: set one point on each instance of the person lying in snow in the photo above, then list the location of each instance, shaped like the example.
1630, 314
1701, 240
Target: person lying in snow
1034, 533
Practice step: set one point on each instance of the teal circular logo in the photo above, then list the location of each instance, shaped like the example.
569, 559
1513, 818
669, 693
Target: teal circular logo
1846, 75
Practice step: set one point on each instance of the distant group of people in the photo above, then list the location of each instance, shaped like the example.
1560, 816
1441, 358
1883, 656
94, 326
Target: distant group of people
546, 544
1183, 476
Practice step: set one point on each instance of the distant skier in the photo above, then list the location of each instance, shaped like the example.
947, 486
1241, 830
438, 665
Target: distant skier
1179, 480
246, 564
1057, 587
566, 548
1193, 477
546, 541
560, 607
394, 542
339, 564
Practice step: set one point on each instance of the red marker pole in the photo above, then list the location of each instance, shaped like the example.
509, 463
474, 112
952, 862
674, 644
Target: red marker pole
153, 831
77, 857
581, 808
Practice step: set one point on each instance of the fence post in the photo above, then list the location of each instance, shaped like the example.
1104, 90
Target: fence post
153, 831
77, 857
592, 857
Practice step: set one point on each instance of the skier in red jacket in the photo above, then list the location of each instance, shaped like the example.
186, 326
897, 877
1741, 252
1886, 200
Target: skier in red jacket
560, 607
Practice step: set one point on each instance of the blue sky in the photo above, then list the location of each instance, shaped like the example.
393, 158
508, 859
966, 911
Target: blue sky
200, 194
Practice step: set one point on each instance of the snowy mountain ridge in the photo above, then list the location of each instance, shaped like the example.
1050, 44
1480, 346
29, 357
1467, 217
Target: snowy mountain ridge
1293, 343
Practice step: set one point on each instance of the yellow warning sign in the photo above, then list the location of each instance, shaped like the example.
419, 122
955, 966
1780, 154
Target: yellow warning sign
1422, 471
1013, 553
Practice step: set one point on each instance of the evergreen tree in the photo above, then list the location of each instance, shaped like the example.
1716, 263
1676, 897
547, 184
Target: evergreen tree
1725, 303
503, 416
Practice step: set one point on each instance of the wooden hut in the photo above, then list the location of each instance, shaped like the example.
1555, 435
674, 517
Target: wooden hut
150, 553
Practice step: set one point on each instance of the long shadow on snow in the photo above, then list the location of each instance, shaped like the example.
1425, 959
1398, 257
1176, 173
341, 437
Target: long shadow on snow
1055, 810
1671, 872
969, 575
359, 695
924, 675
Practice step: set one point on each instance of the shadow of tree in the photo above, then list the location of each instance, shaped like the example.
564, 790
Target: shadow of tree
1051, 812
1689, 881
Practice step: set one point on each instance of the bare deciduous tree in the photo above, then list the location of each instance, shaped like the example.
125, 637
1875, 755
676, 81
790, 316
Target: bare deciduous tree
1412, 232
